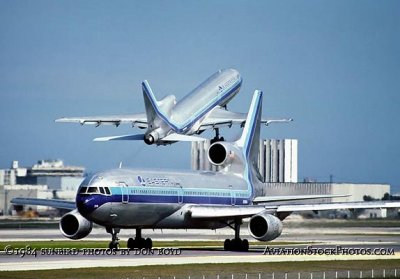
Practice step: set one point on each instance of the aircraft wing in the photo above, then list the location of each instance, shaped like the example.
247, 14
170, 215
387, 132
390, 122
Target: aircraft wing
220, 117
136, 120
61, 204
293, 198
338, 205
243, 211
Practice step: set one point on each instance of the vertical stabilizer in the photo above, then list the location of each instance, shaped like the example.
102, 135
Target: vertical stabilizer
150, 102
161, 109
250, 139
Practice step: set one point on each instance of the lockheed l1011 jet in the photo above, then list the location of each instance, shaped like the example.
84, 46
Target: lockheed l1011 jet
168, 121
149, 199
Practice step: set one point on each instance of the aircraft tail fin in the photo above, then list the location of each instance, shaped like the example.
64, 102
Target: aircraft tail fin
161, 109
250, 139
150, 102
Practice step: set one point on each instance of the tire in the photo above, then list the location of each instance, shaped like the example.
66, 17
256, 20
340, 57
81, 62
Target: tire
227, 245
148, 244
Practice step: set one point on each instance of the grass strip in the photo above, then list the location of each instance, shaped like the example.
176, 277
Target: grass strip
200, 270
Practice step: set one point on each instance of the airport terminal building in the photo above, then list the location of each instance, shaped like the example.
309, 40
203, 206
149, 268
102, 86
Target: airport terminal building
48, 179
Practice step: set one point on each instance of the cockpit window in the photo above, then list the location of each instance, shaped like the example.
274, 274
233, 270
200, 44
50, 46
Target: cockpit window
82, 190
93, 190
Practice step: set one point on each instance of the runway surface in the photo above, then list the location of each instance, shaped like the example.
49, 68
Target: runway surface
384, 240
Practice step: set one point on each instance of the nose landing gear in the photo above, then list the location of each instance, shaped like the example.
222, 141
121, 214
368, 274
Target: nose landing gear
114, 244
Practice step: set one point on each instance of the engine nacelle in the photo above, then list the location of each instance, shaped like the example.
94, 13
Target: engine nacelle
74, 226
265, 227
152, 137
222, 153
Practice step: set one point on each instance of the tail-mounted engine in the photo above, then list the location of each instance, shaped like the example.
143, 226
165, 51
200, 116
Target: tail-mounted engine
265, 227
74, 226
152, 137
222, 154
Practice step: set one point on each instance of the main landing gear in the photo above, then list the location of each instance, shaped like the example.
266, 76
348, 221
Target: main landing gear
236, 244
133, 243
217, 137
139, 242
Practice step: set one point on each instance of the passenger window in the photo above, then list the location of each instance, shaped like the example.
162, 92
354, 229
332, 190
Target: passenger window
107, 191
102, 190
93, 190
82, 190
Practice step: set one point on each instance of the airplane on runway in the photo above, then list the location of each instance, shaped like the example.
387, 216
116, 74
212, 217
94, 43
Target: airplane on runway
168, 121
148, 199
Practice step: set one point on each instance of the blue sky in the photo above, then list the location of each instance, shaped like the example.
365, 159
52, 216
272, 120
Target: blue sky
334, 66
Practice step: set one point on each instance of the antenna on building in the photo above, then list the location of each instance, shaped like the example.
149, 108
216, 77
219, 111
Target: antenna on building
120, 165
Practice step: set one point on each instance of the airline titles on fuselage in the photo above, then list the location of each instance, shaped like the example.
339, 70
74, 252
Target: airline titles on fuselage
155, 181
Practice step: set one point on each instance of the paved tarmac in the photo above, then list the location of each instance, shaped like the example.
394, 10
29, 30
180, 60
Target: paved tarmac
379, 243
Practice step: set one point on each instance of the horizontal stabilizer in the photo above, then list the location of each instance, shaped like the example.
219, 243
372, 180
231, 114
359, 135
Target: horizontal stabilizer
295, 198
123, 137
179, 137
270, 121
62, 204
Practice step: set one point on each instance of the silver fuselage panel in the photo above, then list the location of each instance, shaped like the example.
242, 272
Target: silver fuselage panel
129, 198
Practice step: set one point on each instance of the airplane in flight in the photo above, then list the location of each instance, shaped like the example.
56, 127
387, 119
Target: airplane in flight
168, 121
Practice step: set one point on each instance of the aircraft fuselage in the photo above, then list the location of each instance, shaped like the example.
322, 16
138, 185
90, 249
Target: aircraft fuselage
128, 198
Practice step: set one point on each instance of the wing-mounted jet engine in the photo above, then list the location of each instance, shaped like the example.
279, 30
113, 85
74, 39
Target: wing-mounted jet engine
74, 226
265, 227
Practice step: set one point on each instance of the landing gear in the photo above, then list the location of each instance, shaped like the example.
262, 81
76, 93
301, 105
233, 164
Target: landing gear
236, 244
217, 137
114, 244
139, 242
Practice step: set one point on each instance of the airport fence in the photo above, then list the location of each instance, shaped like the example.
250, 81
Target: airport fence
330, 274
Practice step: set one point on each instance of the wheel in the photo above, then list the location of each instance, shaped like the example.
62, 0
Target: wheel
148, 243
227, 245
245, 245
236, 244
131, 243
113, 245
